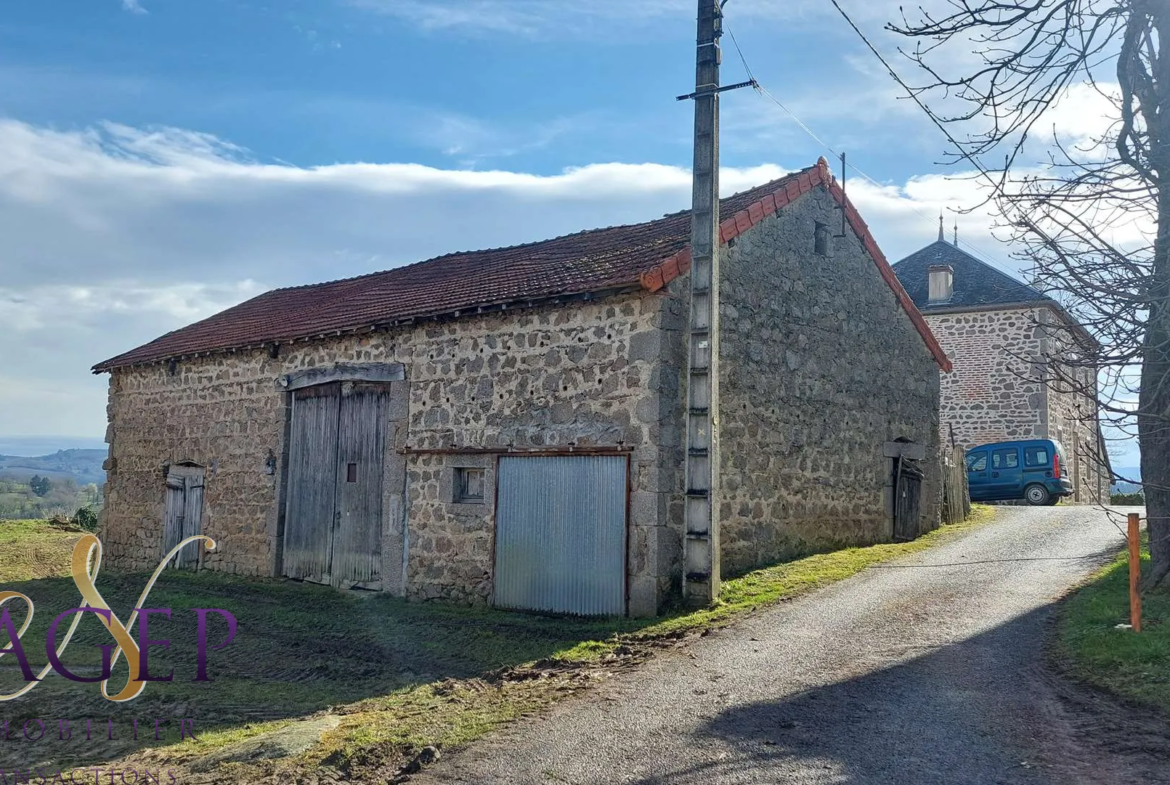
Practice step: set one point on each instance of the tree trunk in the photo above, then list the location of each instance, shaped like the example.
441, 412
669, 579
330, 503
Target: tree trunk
1154, 397
1154, 405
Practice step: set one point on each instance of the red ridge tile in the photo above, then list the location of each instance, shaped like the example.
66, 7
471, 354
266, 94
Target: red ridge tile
652, 279
742, 222
728, 230
670, 269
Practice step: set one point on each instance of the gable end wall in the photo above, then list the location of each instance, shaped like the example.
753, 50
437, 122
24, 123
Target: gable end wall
998, 391
821, 366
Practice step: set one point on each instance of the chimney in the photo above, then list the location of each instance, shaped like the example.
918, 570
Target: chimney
942, 283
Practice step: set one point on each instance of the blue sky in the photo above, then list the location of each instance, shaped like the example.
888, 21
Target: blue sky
163, 159
472, 84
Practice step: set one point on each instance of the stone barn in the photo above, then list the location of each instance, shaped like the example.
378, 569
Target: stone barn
506, 426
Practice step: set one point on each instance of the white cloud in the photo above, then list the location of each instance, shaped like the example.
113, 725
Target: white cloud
133, 6
54, 331
113, 235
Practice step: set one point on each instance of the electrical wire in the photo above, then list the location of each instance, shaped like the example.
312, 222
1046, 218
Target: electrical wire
764, 92
914, 97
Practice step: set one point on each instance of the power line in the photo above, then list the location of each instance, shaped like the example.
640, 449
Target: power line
914, 97
763, 91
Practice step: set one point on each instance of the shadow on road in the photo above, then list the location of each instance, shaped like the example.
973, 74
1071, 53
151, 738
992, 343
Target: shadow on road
976, 711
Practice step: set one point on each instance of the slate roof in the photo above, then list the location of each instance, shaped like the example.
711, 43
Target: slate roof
976, 284
644, 256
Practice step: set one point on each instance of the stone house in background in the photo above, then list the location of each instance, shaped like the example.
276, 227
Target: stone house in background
507, 426
1019, 361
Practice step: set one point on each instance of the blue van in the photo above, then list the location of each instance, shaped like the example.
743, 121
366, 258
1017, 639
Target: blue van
1034, 470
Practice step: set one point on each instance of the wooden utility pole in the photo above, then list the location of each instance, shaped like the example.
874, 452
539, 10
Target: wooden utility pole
701, 550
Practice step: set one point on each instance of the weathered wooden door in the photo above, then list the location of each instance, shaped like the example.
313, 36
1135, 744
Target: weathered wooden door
333, 519
907, 499
312, 483
183, 515
357, 539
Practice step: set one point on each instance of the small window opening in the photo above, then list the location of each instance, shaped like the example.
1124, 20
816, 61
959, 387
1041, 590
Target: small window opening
821, 240
469, 486
351, 472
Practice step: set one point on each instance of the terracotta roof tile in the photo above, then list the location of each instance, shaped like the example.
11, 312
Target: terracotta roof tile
647, 255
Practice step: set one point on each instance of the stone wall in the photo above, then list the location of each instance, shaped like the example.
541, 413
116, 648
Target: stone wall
574, 375
1001, 391
1071, 410
821, 368
995, 392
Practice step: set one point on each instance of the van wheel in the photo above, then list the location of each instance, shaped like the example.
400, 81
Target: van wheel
1037, 495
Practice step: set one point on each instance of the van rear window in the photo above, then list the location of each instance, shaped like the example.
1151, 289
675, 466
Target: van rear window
1037, 456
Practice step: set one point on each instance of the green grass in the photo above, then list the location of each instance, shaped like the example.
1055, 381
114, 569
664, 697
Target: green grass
33, 549
1135, 666
400, 675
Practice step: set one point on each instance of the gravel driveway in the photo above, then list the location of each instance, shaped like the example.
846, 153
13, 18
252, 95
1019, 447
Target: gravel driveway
926, 670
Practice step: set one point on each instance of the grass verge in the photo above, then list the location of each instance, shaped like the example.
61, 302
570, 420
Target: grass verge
399, 676
1090, 646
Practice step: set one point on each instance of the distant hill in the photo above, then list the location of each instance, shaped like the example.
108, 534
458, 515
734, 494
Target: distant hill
1129, 473
85, 466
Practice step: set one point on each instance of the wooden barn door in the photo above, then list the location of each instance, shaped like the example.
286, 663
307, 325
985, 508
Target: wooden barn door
183, 516
357, 541
333, 520
312, 483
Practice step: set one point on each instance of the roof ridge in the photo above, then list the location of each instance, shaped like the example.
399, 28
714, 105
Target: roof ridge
646, 255
519, 246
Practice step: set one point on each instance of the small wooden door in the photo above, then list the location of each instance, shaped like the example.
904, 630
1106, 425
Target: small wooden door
333, 519
183, 516
907, 499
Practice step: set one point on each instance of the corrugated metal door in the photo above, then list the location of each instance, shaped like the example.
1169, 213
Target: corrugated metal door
312, 483
357, 539
333, 518
561, 534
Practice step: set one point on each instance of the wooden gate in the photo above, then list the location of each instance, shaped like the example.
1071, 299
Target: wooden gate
183, 516
333, 519
907, 497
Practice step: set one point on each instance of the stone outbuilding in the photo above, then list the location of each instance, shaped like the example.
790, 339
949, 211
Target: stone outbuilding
1023, 365
506, 426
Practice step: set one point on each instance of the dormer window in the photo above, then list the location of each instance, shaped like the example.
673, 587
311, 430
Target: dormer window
942, 283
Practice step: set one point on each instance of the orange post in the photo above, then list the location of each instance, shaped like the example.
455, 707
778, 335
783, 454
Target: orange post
1135, 573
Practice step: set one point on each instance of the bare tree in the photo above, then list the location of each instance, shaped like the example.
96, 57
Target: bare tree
1089, 215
